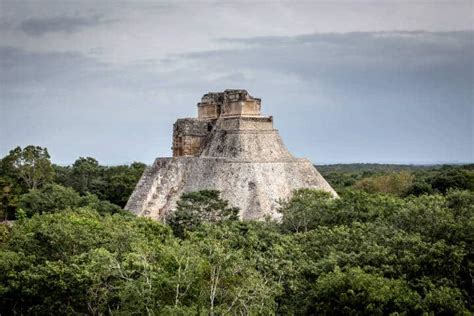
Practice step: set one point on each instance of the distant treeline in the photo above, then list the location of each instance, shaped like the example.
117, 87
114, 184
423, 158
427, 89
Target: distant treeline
401, 180
377, 167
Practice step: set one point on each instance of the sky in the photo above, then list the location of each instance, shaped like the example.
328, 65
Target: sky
346, 81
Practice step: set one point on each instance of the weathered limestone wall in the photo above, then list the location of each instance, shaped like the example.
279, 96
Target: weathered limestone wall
248, 139
244, 145
145, 186
241, 108
246, 123
230, 103
254, 187
209, 111
189, 136
239, 137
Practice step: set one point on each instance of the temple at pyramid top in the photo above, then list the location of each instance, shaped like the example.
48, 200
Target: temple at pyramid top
230, 103
192, 135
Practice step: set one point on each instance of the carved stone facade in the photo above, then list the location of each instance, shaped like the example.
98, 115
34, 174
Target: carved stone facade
230, 147
230, 103
189, 136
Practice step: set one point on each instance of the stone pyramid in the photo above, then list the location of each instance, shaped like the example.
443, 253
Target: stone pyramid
230, 147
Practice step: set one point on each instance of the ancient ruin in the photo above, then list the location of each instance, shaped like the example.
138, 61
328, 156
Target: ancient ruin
229, 147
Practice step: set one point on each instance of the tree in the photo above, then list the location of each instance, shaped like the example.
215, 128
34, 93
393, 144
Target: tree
63, 175
78, 262
120, 182
303, 211
397, 183
259, 245
9, 197
453, 179
50, 199
87, 176
54, 197
232, 280
355, 292
195, 208
364, 253
114, 184
419, 187
32, 165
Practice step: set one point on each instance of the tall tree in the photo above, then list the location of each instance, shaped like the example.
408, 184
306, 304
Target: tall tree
10, 193
31, 164
194, 208
120, 182
86, 173
304, 210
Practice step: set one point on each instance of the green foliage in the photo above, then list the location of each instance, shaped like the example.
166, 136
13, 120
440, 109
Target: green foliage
365, 254
31, 165
114, 184
86, 176
53, 198
344, 176
304, 210
453, 179
9, 197
445, 301
420, 187
20, 214
310, 208
401, 180
194, 208
120, 182
393, 183
231, 277
30, 169
75, 262
4, 232
401, 245
423, 241
275, 256
355, 292
80, 262
21, 170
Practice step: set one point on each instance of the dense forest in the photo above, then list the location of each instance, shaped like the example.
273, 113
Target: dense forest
399, 240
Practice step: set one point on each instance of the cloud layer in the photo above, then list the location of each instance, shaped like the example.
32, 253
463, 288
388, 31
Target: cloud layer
66, 24
373, 96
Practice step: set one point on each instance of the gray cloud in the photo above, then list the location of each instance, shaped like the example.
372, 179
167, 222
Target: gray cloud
67, 24
337, 56
349, 90
383, 96
147, 30
390, 96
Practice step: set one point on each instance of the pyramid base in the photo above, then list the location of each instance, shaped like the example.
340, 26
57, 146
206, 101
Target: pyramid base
253, 186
